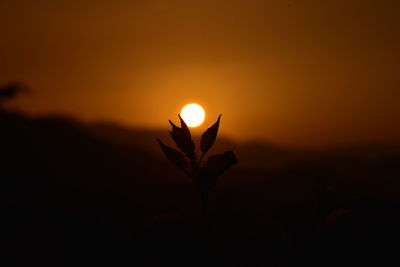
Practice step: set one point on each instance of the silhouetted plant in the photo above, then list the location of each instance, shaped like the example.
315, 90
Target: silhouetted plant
205, 175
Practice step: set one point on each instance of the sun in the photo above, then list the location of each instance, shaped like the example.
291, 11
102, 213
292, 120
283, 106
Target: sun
193, 114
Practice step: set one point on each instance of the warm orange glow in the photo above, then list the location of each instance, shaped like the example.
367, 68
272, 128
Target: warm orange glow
193, 114
276, 71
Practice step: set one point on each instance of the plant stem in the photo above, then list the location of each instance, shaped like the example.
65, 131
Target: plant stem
206, 216
202, 156
204, 199
194, 164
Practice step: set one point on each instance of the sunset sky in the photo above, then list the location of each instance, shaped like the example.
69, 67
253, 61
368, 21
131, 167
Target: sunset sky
301, 73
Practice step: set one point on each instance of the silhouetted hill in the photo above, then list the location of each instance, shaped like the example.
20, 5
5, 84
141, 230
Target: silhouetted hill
145, 140
103, 195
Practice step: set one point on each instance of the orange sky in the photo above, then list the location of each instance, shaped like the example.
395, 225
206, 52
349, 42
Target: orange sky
292, 72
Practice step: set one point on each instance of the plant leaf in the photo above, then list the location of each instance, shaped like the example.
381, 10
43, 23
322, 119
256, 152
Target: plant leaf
184, 127
218, 164
182, 138
175, 156
209, 136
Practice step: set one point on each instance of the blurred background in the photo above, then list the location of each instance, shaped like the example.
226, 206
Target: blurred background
304, 73
309, 95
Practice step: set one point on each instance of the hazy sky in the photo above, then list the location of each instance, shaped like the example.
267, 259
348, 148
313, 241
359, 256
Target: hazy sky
294, 72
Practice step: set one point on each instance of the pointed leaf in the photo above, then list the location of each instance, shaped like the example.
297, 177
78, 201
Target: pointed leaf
215, 166
185, 128
182, 138
218, 164
172, 124
175, 156
209, 136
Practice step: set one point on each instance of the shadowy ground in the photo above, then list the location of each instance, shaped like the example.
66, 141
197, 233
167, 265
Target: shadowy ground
102, 195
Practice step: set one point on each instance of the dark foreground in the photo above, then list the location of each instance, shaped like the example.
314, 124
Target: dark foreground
101, 195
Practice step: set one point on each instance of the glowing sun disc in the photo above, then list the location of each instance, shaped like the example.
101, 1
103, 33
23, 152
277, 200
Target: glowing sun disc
193, 114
